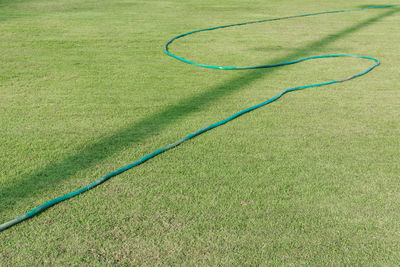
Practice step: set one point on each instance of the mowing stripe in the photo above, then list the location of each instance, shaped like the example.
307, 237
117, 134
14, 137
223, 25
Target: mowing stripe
97, 182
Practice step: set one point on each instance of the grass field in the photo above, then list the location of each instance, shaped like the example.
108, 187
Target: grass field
85, 88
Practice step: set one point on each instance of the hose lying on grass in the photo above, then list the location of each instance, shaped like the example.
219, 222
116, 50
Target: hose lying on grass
95, 183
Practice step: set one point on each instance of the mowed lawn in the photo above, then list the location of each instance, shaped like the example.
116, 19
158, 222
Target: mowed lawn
85, 88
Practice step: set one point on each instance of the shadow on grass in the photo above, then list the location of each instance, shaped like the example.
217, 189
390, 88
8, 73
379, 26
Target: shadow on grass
367, 6
43, 179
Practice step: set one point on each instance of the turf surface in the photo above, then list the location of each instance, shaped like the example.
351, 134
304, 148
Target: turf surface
311, 179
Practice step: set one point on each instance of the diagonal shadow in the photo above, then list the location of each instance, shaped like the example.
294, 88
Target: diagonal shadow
38, 182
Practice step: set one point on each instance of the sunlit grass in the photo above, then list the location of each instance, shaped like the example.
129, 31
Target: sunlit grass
85, 88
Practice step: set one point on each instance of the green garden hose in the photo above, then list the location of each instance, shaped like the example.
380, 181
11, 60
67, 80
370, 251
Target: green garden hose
95, 183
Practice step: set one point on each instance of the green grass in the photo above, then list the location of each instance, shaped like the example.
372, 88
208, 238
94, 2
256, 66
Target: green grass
85, 88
